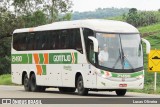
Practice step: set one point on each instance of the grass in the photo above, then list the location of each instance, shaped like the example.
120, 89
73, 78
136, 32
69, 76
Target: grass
155, 44
119, 18
5, 79
151, 28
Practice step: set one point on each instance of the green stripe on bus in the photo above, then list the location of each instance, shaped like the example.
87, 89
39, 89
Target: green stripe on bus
137, 74
41, 58
132, 75
44, 70
76, 58
54, 58
30, 58
19, 59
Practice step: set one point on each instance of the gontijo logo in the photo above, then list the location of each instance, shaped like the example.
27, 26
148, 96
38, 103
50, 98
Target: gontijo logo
63, 58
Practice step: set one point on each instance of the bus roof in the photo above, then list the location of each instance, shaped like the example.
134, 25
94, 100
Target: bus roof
100, 25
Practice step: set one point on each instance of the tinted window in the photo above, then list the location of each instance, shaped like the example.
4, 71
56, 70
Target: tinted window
19, 41
30, 41
89, 44
48, 40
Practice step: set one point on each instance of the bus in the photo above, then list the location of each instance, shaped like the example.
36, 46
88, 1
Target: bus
87, 55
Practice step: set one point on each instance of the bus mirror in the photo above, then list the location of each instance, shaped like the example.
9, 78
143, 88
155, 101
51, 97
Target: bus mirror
95, 43
148, 46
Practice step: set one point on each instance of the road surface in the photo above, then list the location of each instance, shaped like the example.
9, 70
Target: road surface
18, 92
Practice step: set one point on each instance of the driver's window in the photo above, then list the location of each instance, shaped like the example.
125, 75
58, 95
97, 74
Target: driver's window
89, 44
91, 52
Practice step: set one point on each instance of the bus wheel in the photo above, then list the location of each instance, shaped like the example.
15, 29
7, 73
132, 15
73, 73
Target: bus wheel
33, 83
80, 86
66, 89
121, 92
26, 83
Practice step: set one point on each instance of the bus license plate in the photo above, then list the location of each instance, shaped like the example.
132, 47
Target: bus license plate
122, 85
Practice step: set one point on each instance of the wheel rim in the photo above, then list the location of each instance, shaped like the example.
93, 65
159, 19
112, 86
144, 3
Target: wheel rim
26, 82
33, 83
80, 85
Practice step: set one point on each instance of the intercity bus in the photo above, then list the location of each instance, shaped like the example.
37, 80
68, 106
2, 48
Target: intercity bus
65, 55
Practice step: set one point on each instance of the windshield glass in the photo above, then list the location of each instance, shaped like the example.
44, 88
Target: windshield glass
120, 51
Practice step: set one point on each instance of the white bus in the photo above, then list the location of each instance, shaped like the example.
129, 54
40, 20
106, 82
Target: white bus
87, 55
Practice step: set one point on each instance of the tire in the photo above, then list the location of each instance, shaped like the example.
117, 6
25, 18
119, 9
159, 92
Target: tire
33, 84
121, 92
80, 86
66, 89
26, 83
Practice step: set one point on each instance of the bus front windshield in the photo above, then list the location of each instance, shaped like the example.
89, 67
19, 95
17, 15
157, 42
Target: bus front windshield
120, 51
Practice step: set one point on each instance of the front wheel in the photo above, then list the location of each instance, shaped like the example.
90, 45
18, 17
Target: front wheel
121, 92
80, 87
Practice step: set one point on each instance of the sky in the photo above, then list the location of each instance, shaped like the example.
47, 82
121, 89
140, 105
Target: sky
90, 5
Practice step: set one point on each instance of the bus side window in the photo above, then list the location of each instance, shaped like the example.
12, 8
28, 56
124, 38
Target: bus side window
30, 41
16, 44
64, 39
52, 40
89, 45
37, 41
75, 40
19, 41
78, 41
23, 42
57, 40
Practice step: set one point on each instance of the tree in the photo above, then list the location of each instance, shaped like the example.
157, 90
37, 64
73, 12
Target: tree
24, 7
56, 7
133, 17
27, 13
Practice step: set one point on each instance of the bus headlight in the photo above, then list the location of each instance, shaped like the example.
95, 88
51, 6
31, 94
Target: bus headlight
140, 76
106, 74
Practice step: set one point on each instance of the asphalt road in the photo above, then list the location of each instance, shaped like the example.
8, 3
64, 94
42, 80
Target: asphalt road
18, 92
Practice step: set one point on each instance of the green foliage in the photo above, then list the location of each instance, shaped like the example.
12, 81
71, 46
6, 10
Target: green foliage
100, 13
142, 18
57, 7
118, 18
149, 76
151, 28
5, 79
26, 13
5, 62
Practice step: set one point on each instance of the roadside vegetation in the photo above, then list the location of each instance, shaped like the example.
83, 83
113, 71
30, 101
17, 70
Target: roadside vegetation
5, 79
152, 34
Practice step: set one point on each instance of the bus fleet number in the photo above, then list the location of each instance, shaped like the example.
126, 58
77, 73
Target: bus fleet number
16, 58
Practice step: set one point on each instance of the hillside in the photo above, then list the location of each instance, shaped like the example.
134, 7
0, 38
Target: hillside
100, 13
152, 34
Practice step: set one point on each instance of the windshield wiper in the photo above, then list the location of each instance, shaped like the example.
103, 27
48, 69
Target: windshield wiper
120, 57
124, 58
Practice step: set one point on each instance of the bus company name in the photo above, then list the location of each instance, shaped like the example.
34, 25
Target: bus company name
62, 58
